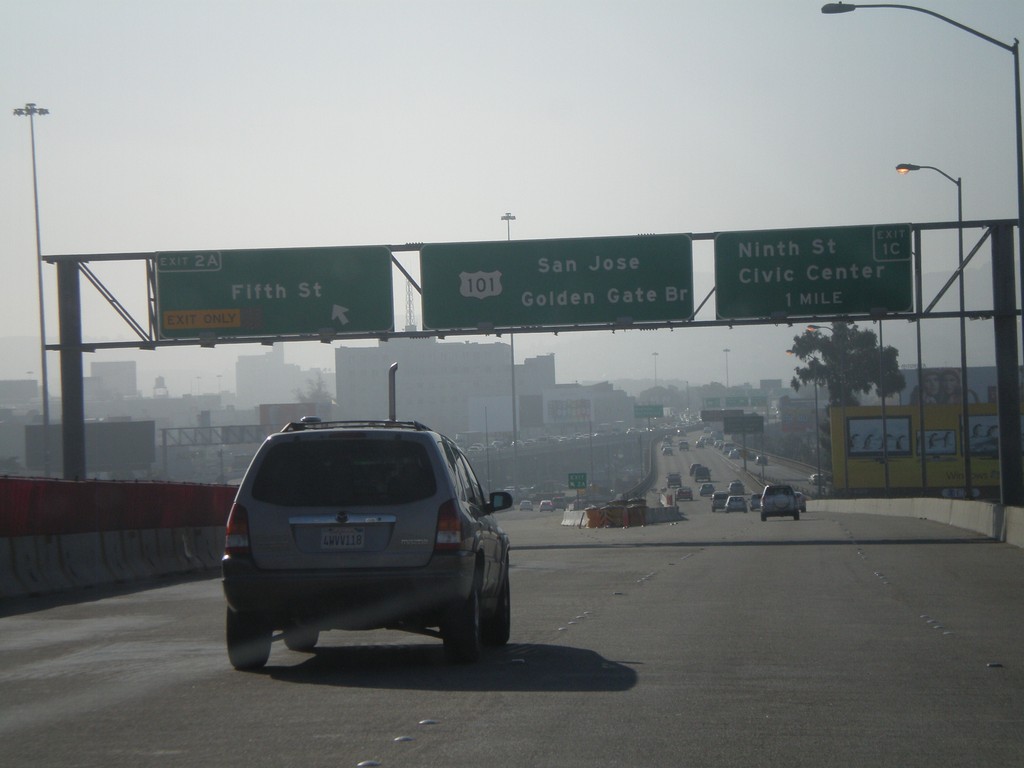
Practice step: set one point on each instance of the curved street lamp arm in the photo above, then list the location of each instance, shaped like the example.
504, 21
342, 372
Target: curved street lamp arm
843, 8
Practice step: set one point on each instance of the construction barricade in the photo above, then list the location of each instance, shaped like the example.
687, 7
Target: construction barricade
617, 514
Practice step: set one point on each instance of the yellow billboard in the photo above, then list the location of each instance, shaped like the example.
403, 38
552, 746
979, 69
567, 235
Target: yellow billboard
913, 448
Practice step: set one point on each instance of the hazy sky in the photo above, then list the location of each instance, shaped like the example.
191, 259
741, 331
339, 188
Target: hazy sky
181, 124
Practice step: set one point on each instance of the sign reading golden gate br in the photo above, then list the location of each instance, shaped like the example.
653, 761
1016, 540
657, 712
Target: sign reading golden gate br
586, 281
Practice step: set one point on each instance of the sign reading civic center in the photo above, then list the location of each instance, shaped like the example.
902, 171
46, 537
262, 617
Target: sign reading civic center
274, 292
605, 280
794, 272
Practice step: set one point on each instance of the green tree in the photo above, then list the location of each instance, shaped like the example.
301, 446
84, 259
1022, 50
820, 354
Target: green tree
846, 360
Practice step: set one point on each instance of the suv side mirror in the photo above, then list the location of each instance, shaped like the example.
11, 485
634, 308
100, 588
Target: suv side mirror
499, 500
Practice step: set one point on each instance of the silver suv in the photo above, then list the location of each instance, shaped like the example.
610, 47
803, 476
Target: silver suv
779, 501
363, 525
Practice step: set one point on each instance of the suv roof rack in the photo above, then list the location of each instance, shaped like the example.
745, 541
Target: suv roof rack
315, 423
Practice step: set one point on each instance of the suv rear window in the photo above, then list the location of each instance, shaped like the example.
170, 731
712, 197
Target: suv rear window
344, 471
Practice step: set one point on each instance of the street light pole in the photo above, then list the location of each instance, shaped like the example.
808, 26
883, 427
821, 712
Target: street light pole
1014, 50
814, 365
817, 435
508, 218
903, 169
881, 394
841, 354
655, 356
726, 368
31, 110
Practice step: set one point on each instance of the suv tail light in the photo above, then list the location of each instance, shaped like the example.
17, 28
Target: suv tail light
449, 527
236, 539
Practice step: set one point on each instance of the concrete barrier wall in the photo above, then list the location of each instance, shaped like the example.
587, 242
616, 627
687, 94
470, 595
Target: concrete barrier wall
987, 518
1013, 526
57, 535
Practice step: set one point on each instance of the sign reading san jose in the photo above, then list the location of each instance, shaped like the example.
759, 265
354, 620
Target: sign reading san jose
605, 280
274, 292
838, 270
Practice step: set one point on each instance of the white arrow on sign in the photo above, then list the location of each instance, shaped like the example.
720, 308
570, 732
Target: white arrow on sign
338, 313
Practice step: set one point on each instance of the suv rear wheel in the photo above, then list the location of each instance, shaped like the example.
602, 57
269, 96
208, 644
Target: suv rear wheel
496, 629
461, 629
248, 638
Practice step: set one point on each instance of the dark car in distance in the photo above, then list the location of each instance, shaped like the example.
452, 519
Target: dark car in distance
718, 500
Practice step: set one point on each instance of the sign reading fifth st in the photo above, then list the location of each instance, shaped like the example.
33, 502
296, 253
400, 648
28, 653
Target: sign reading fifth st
274, 292
794, 272
585, 281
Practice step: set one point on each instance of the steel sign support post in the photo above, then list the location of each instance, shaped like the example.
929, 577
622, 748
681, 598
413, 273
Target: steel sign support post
1004, 327
72, 386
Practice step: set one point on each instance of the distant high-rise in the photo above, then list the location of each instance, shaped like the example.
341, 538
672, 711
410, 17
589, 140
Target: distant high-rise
437, 381
115, 378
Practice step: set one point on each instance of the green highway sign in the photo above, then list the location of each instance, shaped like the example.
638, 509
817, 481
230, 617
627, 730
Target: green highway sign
586, 281
795, 272
577, 480
274, 292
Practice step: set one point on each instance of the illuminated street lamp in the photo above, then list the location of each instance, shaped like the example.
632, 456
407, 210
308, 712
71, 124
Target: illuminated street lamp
1015, 52
831, 8
903, 169
31, 110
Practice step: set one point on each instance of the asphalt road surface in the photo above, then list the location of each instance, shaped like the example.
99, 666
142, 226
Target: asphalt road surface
838, 640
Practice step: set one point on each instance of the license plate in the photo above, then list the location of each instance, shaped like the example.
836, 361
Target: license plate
335, 539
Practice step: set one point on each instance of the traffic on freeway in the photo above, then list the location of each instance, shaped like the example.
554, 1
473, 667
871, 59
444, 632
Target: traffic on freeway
840, 640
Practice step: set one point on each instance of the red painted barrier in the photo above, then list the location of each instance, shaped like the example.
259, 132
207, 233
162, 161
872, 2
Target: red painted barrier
40, 507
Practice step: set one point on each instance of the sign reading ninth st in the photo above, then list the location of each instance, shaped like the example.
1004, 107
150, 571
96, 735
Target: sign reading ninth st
813, 271
274, 292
